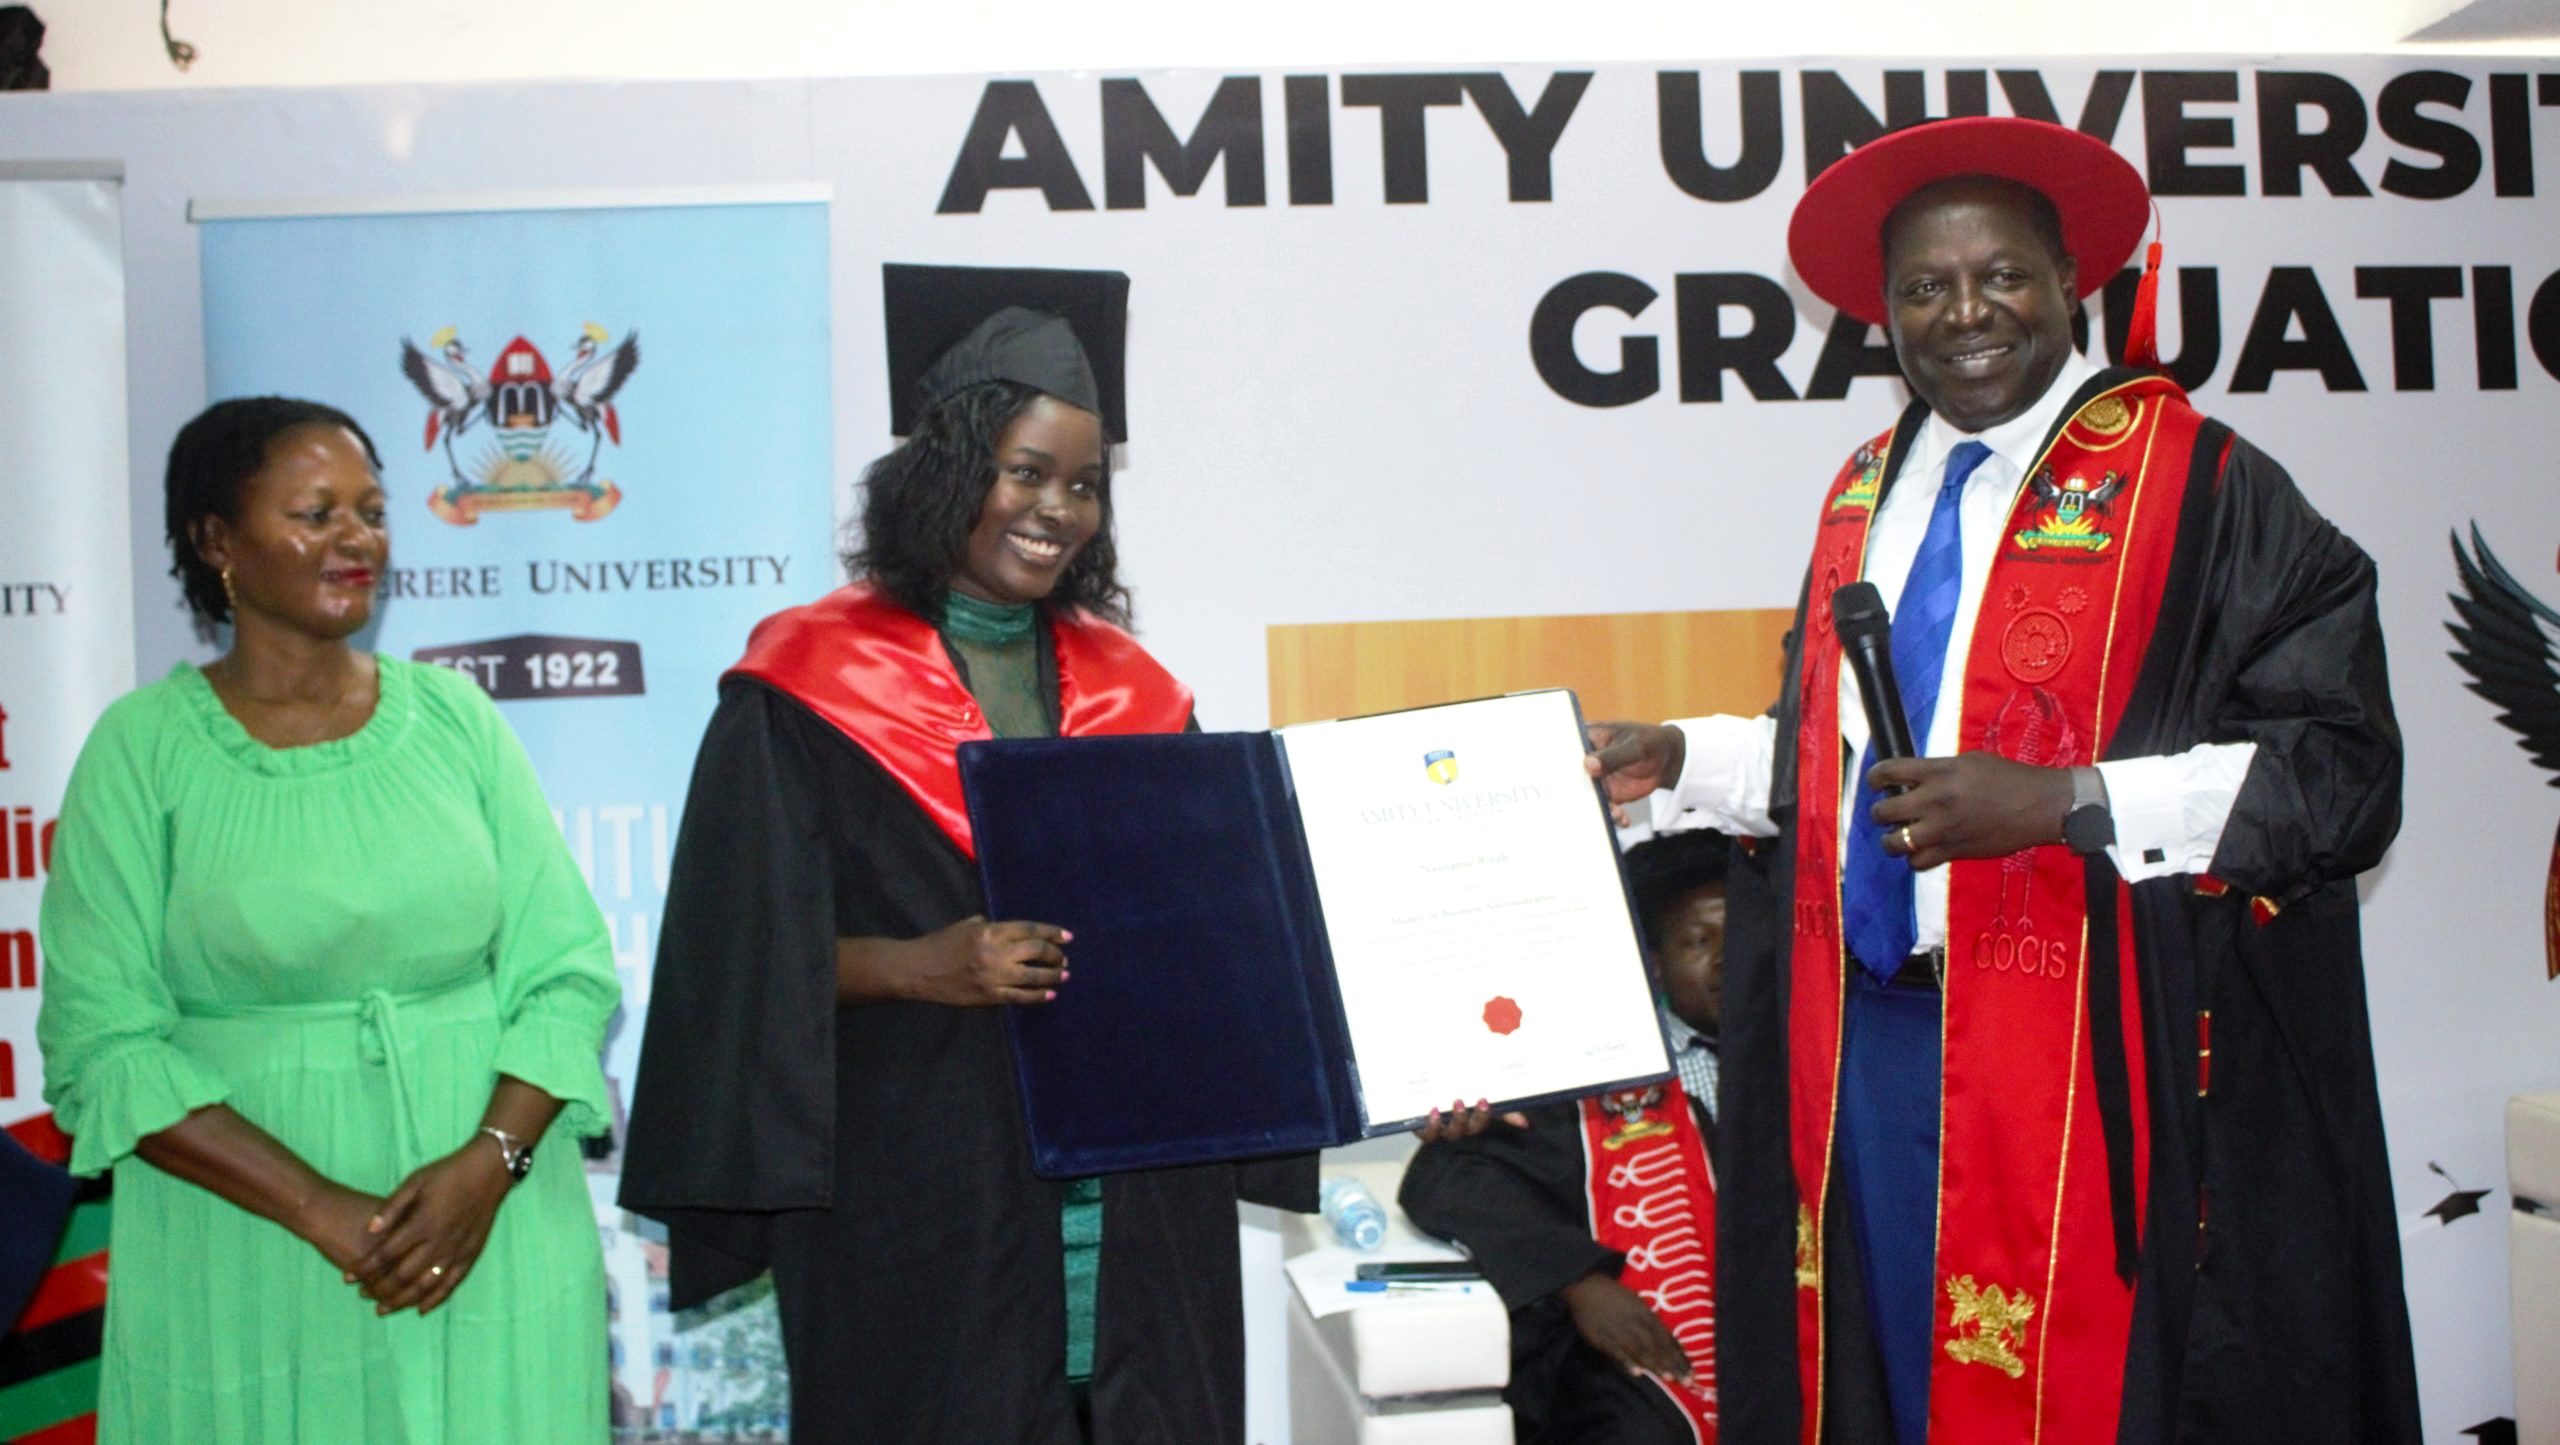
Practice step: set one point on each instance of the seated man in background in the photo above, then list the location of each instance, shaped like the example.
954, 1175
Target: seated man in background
1597, 1223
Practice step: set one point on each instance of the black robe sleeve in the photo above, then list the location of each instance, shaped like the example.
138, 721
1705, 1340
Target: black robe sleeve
1513, 1197
2285, 652
733, 1115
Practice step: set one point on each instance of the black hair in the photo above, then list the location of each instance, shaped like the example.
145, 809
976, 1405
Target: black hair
1663, 870
2043, 216
921, 501
212, 459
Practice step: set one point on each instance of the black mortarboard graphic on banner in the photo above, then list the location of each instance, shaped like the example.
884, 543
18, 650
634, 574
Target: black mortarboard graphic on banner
2460, 1204
2496, 1431
954, 327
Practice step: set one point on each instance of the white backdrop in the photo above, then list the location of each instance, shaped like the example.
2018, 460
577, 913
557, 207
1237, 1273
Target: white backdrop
1337, 414
66, 597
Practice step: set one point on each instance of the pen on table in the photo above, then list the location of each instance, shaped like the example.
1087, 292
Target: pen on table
1411, 1286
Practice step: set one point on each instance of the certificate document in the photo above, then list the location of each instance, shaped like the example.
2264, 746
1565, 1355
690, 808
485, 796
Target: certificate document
1287, 941
1481, 937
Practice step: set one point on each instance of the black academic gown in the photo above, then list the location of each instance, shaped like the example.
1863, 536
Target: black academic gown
874, 1157
2283, 1318
1515, 1198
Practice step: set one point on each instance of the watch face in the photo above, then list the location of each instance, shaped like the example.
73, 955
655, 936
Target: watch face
520, 1164
2088, 828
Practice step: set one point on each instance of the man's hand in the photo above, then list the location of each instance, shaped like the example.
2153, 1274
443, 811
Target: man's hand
1633, 759
1973, 805
431, 1230
1614, 1320
1459, 1121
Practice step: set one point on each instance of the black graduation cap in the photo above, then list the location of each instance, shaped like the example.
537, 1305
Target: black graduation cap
954, 327
2460, 1204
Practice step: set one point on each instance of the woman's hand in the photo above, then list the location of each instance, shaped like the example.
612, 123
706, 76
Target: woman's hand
431, 1230
1615, 1320
333, 1222
971, 964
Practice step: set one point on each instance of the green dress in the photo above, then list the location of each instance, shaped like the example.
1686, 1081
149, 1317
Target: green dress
347, 943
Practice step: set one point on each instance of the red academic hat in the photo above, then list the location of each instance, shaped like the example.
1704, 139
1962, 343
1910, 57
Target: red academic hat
1835, 237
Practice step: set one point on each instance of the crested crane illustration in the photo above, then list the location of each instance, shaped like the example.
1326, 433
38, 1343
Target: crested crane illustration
2510, 644
455, 393
586, 390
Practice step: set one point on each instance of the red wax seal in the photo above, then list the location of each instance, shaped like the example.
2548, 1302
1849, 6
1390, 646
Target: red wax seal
2035, 645
1501, 1015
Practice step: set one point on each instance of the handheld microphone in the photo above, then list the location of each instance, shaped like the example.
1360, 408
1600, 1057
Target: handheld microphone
1866, 644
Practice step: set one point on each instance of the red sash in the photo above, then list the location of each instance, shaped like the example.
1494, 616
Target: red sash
2032, 1319
879, 674
1652, 1197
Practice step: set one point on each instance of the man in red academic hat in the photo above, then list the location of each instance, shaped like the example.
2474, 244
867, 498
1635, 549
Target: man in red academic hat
2049, 1105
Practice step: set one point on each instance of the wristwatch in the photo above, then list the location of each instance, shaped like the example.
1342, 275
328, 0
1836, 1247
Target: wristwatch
517, 1153
2088, 827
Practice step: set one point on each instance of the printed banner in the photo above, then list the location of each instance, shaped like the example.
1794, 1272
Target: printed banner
66, 651
605, 434
66, 571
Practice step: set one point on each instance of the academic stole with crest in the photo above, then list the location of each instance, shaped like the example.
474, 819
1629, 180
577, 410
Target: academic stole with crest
2030, 1316
1652, 1198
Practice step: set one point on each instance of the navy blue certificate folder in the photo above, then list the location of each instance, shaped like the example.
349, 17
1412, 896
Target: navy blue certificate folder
1200, 1023
1205, 1018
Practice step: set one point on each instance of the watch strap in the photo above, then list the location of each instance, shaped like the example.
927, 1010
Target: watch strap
517, 1154
2089, 827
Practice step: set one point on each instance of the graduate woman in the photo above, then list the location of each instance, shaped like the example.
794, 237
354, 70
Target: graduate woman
825, 1087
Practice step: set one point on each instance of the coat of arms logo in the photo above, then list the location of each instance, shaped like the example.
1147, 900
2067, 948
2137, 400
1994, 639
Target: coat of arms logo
2068, 513
529, 460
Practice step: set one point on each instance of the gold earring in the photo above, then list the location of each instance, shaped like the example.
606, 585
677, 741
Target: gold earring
229, 594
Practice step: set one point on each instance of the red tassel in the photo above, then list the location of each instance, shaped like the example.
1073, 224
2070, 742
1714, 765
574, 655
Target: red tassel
2142, 329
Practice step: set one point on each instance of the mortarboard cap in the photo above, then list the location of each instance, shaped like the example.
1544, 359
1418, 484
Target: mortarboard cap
954, 327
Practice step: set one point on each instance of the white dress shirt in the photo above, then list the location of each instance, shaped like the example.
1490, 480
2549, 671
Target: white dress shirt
2169, 811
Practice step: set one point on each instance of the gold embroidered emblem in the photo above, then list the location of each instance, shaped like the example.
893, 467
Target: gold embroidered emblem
1808, 1251
1990, 1325
2107, 416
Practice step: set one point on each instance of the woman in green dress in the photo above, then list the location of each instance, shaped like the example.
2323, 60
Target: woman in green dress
322, 980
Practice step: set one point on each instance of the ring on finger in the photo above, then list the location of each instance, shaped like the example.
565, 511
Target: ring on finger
1905, 834
436, 1271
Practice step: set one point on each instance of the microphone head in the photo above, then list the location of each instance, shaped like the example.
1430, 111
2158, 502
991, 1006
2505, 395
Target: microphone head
1857, 613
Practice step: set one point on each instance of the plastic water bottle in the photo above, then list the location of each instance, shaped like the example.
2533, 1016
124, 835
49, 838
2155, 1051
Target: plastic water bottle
1358, 1219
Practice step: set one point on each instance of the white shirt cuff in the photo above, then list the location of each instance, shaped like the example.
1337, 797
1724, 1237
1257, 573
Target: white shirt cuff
1724, 781
2169, 811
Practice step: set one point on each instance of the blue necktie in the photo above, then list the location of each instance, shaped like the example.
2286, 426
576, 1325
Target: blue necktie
1875, 886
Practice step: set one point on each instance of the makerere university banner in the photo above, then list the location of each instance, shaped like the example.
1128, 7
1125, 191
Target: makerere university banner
604, 430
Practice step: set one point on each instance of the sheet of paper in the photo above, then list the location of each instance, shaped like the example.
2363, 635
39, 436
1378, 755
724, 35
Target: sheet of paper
1471, 895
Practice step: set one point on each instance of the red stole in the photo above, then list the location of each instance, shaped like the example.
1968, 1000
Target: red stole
1652, 1197
2028, 1340
879, 674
